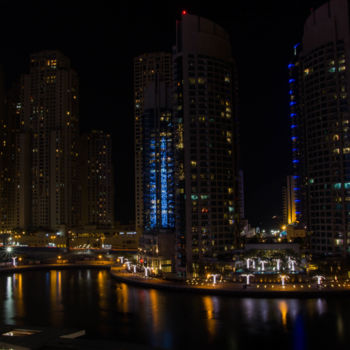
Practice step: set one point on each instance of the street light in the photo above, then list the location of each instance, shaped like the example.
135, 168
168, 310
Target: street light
247, 278
283, 278
278, 261
292, 264
248, 262
146, 271
214, 278
319, 279
262, 262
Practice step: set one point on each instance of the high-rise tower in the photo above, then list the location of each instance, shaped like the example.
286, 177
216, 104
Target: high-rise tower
148, 68
96, 179
319, 111
49, 110
206, 143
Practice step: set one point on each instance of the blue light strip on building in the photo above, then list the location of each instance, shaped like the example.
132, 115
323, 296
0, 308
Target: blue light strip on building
163, 183
152, 184
293, 103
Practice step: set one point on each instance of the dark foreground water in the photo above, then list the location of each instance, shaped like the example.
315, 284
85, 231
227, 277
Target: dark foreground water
91, 300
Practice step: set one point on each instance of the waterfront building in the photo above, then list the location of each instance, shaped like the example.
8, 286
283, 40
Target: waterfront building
96, 179
157, 239
320, 124
154, 159
205, 87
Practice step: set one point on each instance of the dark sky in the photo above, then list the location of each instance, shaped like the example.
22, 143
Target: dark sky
101, 42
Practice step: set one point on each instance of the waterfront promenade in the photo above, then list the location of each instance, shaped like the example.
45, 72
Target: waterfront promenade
237, 289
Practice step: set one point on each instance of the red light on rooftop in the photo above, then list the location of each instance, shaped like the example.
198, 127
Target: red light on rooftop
184, 12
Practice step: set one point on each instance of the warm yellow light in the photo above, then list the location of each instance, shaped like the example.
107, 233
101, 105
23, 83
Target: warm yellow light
100, 256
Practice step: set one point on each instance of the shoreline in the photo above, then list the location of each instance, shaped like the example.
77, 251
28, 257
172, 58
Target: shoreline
23, 268
235, 290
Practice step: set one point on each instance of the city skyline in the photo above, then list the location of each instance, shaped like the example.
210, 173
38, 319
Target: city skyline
106, 80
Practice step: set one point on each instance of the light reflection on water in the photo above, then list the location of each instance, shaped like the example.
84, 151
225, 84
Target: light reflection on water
91, 300
283, 307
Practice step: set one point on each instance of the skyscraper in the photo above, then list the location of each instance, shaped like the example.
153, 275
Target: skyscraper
205, 85
96, 180
148, 68
320, 115
48, 109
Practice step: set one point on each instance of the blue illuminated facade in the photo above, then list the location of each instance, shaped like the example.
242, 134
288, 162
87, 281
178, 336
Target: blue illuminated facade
158, 174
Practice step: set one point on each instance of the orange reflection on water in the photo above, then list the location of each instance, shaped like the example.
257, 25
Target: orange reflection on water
53, 287
56, 287
283, 307
19, 290
209, 308
56, 296
155, 309
59, 285
123, 297
101, 290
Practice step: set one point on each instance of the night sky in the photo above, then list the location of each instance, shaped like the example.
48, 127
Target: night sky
101, 42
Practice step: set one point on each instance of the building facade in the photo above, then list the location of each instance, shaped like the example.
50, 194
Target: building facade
320, 115
147, 69
205, 112
96, 180
44, 108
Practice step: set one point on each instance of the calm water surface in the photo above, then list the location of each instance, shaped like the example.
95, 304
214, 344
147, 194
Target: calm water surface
91, 300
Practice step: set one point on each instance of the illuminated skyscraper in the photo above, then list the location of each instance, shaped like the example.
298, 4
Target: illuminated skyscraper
154, 158
205, 85
158, 175
147, 69
96, 180
320, 122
